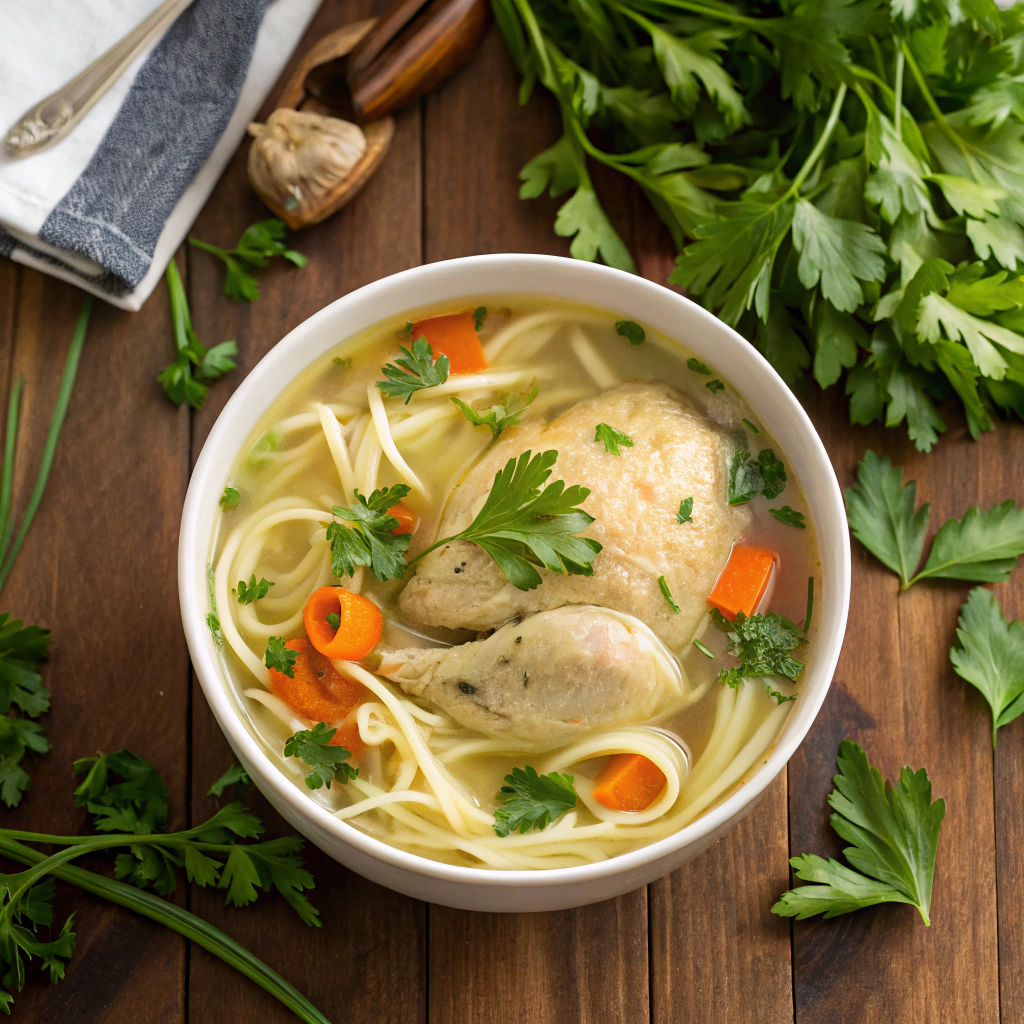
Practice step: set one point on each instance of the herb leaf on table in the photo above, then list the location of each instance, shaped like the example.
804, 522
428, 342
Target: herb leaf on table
413, 371
991, 656
260, 242
982, 547
370, 541
235, 776
524, 523
894, 836
532, 800
313, 746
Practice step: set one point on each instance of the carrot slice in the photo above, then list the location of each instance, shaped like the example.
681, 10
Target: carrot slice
628, 782
347, 736
407, 519
456, 337
360, 623
317, 691
743, 581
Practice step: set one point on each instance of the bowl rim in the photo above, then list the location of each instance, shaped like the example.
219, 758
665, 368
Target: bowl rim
293, 354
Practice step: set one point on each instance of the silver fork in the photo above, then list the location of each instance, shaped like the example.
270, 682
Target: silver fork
53, 118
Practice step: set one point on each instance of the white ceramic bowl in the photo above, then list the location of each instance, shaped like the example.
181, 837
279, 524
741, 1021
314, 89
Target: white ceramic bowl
628, 297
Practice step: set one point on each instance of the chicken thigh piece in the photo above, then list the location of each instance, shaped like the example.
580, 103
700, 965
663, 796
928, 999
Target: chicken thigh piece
677, 453
548, 679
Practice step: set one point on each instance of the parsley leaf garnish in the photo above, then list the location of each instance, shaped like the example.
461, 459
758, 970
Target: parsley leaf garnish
667, 594
704, 649
698, 367
499, 417
789, 516
333, 620
749, 478
991, 656
279, 658
779, 698
371, 541
229, 499
479, 318
715, 386
260, 242
761, 644
894, 836
415, 370
313, 746
750, 426
522, 525
235, 776
252, 591
685, 513
187, 379
532, 800
982, 547
612, 438
212, 619
631, 331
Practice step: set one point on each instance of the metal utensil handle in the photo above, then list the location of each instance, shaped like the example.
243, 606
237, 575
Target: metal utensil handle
54, 117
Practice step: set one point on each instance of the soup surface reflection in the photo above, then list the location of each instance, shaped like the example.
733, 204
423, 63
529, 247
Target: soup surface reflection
528, 585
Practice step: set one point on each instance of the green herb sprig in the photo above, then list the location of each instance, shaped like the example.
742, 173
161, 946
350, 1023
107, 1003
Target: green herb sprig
370, 541
327, 763
532, 800
499, 418
413, 371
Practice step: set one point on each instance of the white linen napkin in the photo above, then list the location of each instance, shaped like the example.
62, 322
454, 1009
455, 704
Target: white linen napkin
107, 207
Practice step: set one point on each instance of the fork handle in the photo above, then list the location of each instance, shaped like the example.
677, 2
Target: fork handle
55, 116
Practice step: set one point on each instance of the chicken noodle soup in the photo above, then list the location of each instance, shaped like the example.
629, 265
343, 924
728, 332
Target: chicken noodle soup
518, 585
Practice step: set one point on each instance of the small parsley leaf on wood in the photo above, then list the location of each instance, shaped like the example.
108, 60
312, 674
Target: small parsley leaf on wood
235, 776
991, 656
370, 541
761, 644
313, 746
252, 591
532, 800
413, 371
685, 513
894, 837
667, 594
789, 516
279, 658
499, 417
983, 547
479, 318
523, 523
229, 499
612, 438
631, 331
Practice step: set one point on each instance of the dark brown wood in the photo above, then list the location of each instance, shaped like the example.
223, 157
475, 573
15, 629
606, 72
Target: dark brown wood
119, 669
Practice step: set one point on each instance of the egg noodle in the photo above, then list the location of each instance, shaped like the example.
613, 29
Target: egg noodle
407, 790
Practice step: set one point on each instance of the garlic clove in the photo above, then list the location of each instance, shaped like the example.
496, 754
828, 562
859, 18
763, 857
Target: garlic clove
299, 158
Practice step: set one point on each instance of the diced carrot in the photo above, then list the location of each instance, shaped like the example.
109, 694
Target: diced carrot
628, 782
743, 581
347, 736
454, 336
317, 691
407, 519
359, 627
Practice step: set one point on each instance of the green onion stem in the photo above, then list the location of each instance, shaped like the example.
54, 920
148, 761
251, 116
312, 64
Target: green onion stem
181, 921
7, 487
59, 412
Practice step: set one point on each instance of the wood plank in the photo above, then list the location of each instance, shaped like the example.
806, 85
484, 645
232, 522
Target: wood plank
588, 964
721, 901
896, 694
371, 936
104, 582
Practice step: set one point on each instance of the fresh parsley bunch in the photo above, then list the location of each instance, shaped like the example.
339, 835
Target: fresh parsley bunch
842, 178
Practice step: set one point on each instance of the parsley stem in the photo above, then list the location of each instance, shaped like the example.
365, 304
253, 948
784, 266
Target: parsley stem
7, 488
898, 103
56, 423
181, 921
819, 146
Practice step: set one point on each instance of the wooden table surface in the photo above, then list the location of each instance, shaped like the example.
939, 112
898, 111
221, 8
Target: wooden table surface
697, 946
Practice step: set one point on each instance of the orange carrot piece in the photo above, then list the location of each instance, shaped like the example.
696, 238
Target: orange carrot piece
317, 691
360, 623
347, 736
628, 782
407, 519
743, 581
456, 337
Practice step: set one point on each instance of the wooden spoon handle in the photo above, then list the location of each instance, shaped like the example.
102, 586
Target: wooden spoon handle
428, 49
385, 29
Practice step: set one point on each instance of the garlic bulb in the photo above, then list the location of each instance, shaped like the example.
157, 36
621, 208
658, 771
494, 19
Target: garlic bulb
297, 158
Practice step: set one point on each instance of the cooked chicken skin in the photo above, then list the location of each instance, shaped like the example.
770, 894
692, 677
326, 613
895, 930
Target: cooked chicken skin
677, 453
546, 680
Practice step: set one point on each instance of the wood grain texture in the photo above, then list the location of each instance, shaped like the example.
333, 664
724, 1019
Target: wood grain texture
896, 694
119, 669
370, 936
